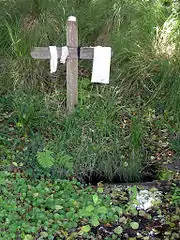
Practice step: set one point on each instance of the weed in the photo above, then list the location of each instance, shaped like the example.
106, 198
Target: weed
45, 159
165, 174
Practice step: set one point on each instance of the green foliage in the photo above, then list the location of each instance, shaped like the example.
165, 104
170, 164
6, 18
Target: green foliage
143, 34
108, 141
175, 144
30, 111
118, 230
65, 161
103, 137
2, 178
85, 91
45, 159
136, 132
114, 132
32, 208
61, 161
165, 174
5, 155
95, 137
176, 195
133, 191
45, 208
134, 225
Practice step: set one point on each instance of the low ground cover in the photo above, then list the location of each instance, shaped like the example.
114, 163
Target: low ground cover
46, 209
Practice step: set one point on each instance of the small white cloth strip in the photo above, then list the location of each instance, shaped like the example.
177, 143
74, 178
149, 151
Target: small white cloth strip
53, 59
64, 54
101, 65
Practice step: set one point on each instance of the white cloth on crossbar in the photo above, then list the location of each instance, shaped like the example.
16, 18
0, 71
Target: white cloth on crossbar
101, 65
53, 59
64, 54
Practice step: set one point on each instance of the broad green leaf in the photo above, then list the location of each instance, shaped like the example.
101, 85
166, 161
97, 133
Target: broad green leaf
28, 237
85, 229
56, 216
15, 164
102, 210
118, 230
134, 225
44, 234
123, 220
95, 221
100, 190
90, 208
58, 207
95, 198
142, 213
36, 194
134, 211
118, 210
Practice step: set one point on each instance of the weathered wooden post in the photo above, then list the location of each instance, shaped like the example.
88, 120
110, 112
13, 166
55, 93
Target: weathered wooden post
72, 64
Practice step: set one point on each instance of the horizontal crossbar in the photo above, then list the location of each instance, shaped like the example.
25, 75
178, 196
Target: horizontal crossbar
44, 53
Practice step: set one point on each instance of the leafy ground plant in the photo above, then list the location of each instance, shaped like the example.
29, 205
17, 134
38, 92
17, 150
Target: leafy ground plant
48, 209
45, 209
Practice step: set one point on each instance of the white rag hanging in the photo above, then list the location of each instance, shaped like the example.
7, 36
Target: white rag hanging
53, 59
64, 54
101, 65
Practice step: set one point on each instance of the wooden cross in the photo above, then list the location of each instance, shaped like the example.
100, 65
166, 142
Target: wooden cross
74, 53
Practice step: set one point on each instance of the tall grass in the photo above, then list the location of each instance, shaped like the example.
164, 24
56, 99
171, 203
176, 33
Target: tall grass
138, 31
145, 72
100, 145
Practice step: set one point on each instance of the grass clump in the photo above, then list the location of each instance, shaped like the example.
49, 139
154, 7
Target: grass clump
101, 140
98, 147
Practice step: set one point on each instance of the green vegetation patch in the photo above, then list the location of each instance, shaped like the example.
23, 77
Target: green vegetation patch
48, 209
62, 209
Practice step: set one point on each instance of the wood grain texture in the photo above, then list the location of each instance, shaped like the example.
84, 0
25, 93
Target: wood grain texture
44, 53
72, 66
